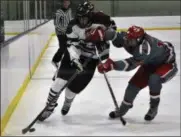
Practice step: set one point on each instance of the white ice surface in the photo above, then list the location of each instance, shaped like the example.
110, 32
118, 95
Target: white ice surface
89, 112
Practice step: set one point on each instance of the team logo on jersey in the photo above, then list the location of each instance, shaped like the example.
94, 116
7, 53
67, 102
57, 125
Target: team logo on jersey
145, 48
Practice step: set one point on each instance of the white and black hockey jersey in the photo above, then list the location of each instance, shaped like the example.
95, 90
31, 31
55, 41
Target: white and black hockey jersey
76, 36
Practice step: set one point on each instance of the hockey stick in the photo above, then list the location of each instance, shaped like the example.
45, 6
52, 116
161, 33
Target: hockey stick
110, 89
29, 127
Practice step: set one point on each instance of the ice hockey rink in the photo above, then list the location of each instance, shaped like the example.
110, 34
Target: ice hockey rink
88, 115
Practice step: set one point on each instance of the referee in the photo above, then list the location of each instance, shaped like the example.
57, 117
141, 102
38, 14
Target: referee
61, 20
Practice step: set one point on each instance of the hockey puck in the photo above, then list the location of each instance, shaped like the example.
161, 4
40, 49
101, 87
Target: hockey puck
32, 130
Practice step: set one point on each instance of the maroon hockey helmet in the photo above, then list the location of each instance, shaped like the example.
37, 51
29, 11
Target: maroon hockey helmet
135, 32
134, 36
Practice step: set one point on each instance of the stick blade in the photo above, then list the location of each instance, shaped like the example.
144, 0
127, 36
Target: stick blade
25, 130
123, 121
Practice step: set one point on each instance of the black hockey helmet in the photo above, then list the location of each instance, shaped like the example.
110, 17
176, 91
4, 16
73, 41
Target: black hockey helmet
82, 10
83, 15
89, 5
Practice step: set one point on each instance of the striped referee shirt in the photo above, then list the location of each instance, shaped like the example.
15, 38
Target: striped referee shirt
62, 19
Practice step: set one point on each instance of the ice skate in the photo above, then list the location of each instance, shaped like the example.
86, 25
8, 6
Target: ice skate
47, 113
153, 110
66, 106
123, 110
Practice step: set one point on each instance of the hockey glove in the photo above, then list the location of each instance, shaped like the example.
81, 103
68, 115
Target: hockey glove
106, 67
95, 34
75, 57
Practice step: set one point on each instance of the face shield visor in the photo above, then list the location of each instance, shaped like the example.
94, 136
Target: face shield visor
83, 21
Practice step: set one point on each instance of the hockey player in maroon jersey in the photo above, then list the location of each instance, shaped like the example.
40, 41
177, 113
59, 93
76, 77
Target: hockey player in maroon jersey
156, 61
97, 16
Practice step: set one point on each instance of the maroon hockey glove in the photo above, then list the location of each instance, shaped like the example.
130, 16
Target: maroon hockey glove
106, 67
95, 34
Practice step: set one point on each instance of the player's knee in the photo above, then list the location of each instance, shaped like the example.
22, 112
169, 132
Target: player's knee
155, 83
131, 93
170, 75
58, 84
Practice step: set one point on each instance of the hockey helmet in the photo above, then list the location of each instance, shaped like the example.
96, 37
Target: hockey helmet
83, 15
134, 35
135, 32
89, 5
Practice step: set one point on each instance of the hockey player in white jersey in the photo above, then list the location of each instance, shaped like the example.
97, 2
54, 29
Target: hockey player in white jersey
83, 32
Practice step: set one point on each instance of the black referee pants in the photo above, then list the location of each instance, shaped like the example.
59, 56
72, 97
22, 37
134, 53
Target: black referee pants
62, 39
